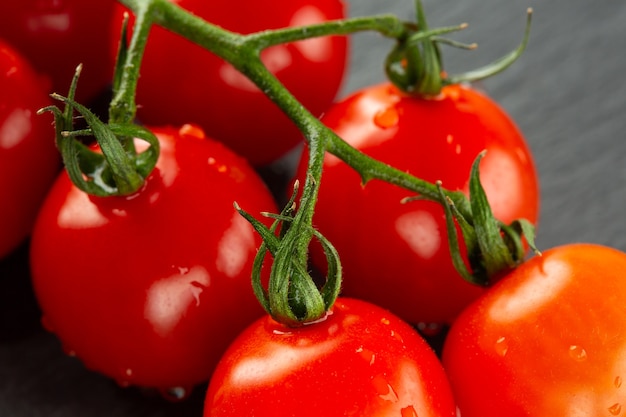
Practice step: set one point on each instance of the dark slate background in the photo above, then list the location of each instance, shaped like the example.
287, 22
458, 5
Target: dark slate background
567, 94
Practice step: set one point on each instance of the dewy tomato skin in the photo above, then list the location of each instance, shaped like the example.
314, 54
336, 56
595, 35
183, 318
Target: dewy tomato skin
29, 161
396, 255
150, 289
360, 360
206, 90
57, 35
549, 339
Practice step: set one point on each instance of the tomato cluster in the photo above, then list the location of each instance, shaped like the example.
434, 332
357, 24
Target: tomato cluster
152, 289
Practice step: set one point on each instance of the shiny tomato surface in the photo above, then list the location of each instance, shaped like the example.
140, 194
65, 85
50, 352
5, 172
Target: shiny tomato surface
29, 161
57, 35
150, 289
396, 255
203, 89
360, 360
549, 339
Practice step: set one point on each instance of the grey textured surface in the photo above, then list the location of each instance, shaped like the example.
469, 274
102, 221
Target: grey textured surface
566, 94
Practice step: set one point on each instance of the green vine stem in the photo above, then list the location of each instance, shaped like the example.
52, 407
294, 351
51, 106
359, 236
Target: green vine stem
415, 64
292, 297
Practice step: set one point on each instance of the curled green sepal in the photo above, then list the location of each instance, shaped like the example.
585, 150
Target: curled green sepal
500, 247
514, 235
415, 64
499, 64
453, 237
492, 247
292, 297
118, 170
122, 56
496, 255
453, 218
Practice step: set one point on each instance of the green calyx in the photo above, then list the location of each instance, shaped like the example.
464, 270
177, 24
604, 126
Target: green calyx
116, 171
415, 64
493, 248
292, 297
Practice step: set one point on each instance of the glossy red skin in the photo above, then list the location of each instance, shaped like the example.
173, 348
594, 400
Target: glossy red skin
205, 90
29, 161
360, 361
57, 35
549, 339
397, 255
150, 289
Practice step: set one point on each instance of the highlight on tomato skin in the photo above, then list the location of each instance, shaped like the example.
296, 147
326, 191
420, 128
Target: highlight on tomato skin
548, 339
397, 255
360, 360
150, 289
29, 161
205, 90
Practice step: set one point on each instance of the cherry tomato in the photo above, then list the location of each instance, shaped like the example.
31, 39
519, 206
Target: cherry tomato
150, 289
57, 35
549, 339
29, 161
359, 361
205, 90
396, 255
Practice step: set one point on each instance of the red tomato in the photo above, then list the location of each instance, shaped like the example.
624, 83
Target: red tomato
359, 361
397, 255
150, 289
549, 339
57, 35
208, 91
29, 161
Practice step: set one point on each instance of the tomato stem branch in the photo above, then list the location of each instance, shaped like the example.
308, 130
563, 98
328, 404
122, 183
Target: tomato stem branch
292, 296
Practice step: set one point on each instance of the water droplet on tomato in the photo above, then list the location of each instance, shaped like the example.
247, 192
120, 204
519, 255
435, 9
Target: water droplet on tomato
384, 390
281, 332
397, 336
387, 118
175, 394
615, 409
501, 346
192, 130
408, 411
577, 353
366, 354
618, 381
